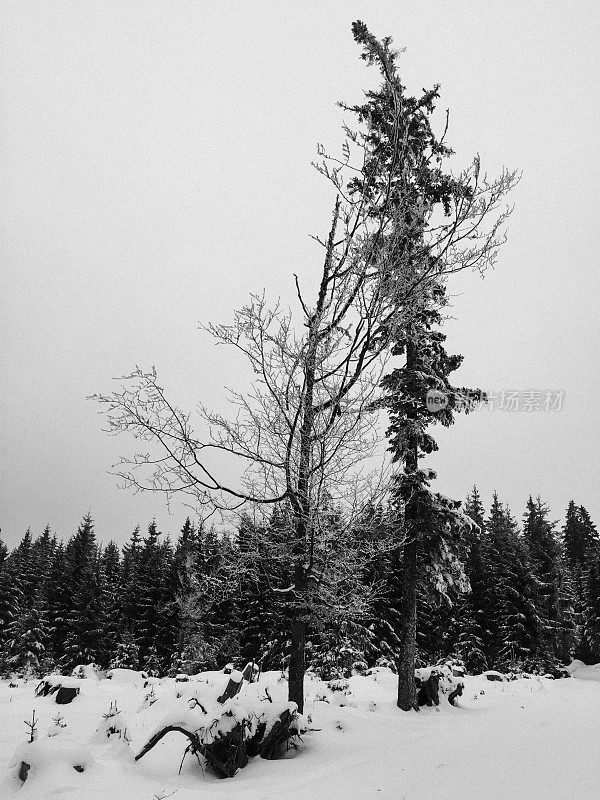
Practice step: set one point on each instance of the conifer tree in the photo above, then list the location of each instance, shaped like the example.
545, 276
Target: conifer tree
151, 663
382, 572
471, 626
427, 368
131, 584
84, 643
26, 642
150, 591
546, 557
184, 566
513, 620
127, 655
474, 508
80, 617
167, 631
591, 613
110, 588
581, 547
8, 606
27, 632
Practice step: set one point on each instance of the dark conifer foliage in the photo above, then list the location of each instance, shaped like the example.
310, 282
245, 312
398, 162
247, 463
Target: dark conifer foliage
531, 599
548, 567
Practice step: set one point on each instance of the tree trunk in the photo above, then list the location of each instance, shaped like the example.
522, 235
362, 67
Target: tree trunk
407, 688
297, 647
302, 505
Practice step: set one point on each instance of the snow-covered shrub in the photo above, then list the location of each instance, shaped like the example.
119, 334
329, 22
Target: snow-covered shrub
57, 726
112, 724
385, 662
338, 685
127, 655
149, 698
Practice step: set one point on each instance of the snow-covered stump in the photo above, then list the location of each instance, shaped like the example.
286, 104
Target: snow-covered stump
229, 737
456, 693
50, 755
65, 689
283, 730
228, 752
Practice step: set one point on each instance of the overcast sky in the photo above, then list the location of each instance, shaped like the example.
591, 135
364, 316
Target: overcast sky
155, 169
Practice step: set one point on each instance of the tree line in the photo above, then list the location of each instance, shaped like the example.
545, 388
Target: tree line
516, 597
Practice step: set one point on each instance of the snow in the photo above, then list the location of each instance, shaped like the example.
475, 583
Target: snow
65, 681
492, 674
122, 675
530, 738
577, 669
89, 671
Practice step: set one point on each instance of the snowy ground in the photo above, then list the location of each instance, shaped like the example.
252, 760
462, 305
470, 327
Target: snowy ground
527, 739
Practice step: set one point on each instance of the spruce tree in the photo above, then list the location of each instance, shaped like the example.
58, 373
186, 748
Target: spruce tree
513, 622
127, 655
81, 615
472, 616
131, 585
26, 642
58, 598
591, 612
546, 557
184, 566
167, 630
110, 588
427, 368
150, 590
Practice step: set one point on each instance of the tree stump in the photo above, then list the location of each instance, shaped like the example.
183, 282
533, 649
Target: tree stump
44, 688
228, 753
272, 745
65, 695
456, 693
429, 690
233, 687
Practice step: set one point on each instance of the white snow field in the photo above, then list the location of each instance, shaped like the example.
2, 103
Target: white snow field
526, 739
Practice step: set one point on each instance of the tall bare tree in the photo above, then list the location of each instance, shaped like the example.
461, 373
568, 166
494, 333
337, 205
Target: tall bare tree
306, 423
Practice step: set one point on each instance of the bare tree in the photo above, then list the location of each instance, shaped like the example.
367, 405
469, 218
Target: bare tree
306, 424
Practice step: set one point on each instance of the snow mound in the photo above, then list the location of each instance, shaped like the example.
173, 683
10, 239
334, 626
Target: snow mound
586, 672
493, 675
122, 675
89, 671
65, 681
50, 764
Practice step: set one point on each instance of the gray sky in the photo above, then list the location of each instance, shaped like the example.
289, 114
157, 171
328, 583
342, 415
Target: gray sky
155, 169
